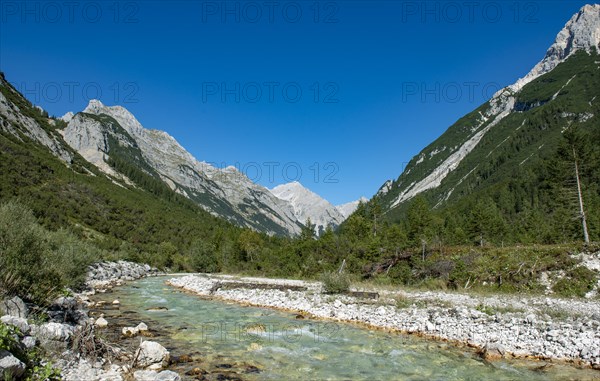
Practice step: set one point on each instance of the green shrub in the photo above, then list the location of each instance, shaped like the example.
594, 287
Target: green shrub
335, 283
401, 273
576, 282
37, 264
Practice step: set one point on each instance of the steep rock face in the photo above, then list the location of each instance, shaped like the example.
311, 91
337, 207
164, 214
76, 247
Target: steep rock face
223, 192
15, 122
455, 159
88, 137
308, 205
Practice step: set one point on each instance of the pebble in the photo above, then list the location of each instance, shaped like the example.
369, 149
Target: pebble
101, 322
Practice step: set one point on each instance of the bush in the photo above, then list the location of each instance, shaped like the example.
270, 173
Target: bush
335, 283
37, 264
70, 257
23, 246
401, 273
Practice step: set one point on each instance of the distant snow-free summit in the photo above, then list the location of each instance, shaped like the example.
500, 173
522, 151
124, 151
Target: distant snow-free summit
309, 206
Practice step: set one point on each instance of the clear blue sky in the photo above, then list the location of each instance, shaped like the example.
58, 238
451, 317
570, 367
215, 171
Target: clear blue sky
379, 80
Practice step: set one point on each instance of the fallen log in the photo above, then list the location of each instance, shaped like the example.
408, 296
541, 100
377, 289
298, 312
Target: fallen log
255, 286
363, 294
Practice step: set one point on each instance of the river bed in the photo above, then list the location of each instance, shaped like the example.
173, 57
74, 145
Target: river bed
229, 341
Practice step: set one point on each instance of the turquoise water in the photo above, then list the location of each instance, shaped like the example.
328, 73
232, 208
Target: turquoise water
285, 348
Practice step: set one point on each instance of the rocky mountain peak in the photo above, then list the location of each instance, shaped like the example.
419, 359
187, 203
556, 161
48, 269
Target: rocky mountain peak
581, 32
308, 205
93, 106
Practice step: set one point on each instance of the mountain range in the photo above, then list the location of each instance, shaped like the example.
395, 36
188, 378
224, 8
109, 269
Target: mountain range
113, 140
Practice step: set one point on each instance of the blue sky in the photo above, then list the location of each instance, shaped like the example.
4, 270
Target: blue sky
337, 95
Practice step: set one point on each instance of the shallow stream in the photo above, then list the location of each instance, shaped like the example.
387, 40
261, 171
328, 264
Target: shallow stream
263, 344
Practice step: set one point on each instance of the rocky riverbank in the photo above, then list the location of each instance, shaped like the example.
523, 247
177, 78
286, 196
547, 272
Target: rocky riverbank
69, 336
103, 275
500, 326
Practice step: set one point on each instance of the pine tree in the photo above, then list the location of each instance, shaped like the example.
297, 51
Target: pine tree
308, 231
419, 221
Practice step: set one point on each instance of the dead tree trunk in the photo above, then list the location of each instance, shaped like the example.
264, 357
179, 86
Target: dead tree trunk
586, 236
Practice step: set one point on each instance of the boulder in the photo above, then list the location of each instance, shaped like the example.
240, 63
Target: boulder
65, 302
14, 306
53, 331
18, 322
10, 365
152, 355
65, 310
493, 351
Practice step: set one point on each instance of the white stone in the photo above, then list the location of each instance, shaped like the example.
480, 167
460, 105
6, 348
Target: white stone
29, 342
53, 331
145, 375
10, 365
152, 355
142, 327
101, 322
13, 306
130, 331
167, 375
